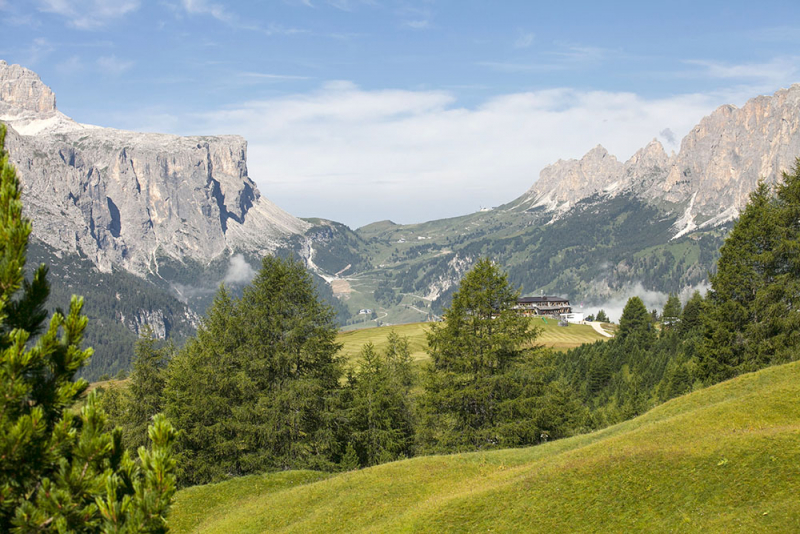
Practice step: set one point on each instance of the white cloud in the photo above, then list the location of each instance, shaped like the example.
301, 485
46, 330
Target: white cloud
72, 65
89, 14
113, 66
653, 300
203, 7
777, 71
239, 271
39, 49
222, 14
271, 77
417, 155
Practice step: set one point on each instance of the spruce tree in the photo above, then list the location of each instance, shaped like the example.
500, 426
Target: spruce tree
692, 314
636, 323
133, 407
61, 471
379, 413
671, 316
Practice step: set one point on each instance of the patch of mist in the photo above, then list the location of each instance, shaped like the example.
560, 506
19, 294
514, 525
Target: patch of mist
653, 300
239, 271
185, 293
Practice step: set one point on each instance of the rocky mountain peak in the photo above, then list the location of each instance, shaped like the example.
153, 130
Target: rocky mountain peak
126, 199
565, 182
22, 90
710, 179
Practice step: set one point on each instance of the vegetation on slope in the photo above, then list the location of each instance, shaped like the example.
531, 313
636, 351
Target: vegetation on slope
550, 335
723, 459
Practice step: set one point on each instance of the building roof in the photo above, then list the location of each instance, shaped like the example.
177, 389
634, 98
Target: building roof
528, 300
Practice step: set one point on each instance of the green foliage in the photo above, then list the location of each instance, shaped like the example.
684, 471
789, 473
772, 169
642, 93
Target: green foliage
602, 317
380, 407
693, 313
671, 316
751, 320
60, 471
484, 384
134, 407
637, 323
257, 389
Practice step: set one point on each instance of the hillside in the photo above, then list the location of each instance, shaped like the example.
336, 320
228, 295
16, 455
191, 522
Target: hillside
723, 459
552, 335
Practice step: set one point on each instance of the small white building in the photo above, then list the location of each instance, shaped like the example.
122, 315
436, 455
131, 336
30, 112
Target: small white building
573, 317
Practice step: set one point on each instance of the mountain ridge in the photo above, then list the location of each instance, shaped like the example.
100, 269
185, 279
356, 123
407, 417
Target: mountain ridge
719, 163
126, 198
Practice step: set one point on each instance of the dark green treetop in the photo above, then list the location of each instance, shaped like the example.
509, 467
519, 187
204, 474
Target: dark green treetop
671, 316
636, 322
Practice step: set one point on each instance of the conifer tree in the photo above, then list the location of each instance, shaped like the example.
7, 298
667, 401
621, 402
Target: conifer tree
484, 383
743, 272
61, 471
380, 410
671, 316
636, 323
692, 314
133, 407
256, 388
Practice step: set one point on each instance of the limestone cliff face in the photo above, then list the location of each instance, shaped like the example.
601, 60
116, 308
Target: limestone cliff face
719, 164
22, 91
723, 157
125, 198
566, 182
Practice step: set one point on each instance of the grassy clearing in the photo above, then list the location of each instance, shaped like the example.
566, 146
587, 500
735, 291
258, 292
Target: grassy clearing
723, 459
552, 335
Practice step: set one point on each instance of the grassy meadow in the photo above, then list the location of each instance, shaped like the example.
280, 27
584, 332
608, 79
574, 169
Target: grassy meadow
722, 459
552, 335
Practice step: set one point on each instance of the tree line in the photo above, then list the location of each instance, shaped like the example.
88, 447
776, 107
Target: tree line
261, 386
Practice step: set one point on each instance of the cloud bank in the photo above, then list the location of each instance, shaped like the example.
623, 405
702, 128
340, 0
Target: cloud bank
359, 156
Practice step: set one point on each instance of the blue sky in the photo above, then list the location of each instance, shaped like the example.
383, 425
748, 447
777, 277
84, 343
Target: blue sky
410, 110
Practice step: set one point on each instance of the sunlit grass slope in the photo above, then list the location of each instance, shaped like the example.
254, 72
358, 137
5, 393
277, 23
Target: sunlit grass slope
552, 335
723, 459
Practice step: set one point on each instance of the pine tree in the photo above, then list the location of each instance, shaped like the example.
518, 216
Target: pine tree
602, 317
636, 323
60, 471
381, 424
743, 271
692, 314
132, 408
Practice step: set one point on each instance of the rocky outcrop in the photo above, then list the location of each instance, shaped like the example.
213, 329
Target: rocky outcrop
563, 183
126, 198
21, 91
722, 159
720, 162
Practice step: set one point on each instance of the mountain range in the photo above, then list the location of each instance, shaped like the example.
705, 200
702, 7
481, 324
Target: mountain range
147, 226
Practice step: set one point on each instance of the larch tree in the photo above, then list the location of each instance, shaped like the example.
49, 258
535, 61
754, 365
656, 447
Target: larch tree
257, 388
485, 383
